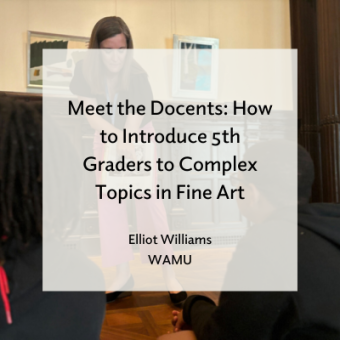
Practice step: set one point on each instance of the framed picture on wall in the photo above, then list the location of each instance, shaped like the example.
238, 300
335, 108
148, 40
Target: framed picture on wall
58, 74
195, 67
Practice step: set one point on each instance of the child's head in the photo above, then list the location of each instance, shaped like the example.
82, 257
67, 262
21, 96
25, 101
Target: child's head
20, 175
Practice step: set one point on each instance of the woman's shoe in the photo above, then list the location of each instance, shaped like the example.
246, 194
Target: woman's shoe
124, 292
178, 298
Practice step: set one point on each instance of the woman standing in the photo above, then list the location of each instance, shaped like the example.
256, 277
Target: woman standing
114, 77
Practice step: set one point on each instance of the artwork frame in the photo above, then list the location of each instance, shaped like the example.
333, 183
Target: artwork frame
195, 67
36, 42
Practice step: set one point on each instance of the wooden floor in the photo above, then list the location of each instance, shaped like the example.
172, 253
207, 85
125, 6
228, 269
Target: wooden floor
144, 315
147, 315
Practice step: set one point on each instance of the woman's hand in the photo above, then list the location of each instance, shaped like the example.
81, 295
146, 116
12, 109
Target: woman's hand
178, 322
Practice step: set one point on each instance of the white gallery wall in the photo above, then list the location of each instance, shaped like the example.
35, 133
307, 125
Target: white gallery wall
237, 23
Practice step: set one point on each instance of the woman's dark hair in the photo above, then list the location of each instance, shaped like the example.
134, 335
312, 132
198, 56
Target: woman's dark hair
108, 27
93, 68
20, 174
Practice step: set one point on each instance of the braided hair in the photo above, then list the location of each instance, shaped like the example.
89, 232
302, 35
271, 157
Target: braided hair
20, 174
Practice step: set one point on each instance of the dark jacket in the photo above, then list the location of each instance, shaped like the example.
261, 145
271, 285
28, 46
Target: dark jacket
311, 313
39, 315
139, 93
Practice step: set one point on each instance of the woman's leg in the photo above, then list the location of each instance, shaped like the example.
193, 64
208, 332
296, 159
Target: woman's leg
114, 230
114, 233
151, 221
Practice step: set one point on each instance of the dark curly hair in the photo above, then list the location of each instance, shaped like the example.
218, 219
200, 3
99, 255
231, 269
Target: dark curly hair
20, 174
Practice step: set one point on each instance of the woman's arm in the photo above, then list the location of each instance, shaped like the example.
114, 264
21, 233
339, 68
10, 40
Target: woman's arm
141, 94
98, 123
